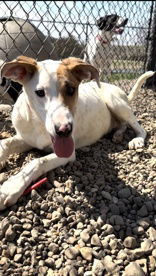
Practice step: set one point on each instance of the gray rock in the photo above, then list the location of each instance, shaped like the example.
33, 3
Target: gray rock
124, 193
147, 246
46, 223
105, 243
50, 272
43, 270
27, 226
107, 229
34, 234
133, 269
152, 263
113, 244
10, 234
44, 206
4, 225
71, 252
136, 253
116, 220
57, 184
81, 243
144, 222
72, 239
80, 225
136, 159
97, 268
49, 262
109, 265
106, 195
56, 216
3, 261
11, 249
81, 270
130, 242
143, 264
138, 230
115, 209
152, 234
88, 273
84, 235
35, 196
73, 272
86, 253
18, 258
122, 255
149, 206
154, 253
142, 212
14, 220
58, 263
95, 240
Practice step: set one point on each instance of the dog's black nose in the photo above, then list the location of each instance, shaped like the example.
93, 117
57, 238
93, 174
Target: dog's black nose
63, 130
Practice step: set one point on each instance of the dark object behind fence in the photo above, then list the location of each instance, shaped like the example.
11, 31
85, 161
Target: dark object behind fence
151, 53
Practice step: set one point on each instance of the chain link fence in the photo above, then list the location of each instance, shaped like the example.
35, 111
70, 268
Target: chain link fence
59, 29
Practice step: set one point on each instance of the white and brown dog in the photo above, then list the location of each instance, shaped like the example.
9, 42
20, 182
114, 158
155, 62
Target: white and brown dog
56, 111
98, 51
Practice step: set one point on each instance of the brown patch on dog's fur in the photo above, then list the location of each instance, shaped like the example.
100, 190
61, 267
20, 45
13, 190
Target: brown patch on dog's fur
24, 59
71, 72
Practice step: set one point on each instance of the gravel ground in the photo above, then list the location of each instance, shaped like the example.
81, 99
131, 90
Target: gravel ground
96, 216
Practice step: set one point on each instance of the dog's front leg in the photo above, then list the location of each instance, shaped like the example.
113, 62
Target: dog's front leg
13, 188
12, 145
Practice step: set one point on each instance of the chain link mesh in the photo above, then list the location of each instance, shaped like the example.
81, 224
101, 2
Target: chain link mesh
59, 29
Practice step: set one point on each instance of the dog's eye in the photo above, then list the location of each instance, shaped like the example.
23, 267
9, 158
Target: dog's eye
70, 90
40, 93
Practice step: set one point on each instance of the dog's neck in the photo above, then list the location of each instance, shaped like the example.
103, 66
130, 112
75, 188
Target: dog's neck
104, 37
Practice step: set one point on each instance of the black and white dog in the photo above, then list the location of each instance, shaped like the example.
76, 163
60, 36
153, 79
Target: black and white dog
98, 50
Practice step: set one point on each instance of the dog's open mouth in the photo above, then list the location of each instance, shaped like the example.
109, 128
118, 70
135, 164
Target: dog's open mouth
63, 146
119, 30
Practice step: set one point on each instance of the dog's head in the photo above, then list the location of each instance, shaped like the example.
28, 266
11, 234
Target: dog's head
51, 89
112, 23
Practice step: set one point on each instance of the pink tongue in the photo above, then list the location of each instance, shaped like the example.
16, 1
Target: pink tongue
63, 146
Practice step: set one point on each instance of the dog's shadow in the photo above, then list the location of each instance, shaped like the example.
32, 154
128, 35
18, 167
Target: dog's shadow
117, 201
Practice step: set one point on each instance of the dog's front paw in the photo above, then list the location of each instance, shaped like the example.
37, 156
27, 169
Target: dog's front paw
136, 143
10, 192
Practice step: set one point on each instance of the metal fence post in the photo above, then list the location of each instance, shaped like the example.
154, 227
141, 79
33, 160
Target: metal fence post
151, 54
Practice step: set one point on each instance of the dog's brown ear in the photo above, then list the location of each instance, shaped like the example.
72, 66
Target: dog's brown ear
86, 72
20, 69
82, 70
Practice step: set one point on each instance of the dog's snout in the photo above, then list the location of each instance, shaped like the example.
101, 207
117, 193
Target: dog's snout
63, 130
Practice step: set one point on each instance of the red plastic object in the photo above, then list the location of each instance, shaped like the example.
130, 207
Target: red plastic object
34, 186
